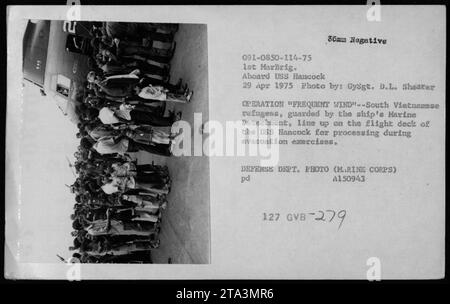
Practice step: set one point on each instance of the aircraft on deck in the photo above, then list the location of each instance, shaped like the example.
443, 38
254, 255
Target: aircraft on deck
55, 58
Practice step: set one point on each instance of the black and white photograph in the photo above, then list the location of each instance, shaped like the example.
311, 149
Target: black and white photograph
101, 178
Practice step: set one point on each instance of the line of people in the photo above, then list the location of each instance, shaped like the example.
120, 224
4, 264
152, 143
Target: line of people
119, 203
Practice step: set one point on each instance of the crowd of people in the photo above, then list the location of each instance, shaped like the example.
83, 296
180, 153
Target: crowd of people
118, 202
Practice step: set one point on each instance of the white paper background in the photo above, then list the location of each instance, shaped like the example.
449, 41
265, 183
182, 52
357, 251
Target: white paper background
399, 218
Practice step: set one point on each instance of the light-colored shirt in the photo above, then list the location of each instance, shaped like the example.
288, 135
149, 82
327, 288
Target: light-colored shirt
106, 145
126, 183
153, 92
99, 227
133, 74
135, 199
110, 188
124, 111
125, 169
121, 184
107, 116
100, 132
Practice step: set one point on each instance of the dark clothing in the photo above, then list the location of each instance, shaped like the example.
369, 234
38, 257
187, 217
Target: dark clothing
163, 171
159, 149
154, 180
124, 215
127, 50
118, 87
110, 69
158, 55
146, 118
137, 31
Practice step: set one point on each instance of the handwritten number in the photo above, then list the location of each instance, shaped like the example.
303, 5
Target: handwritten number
332, 217
322, 217
341, 215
